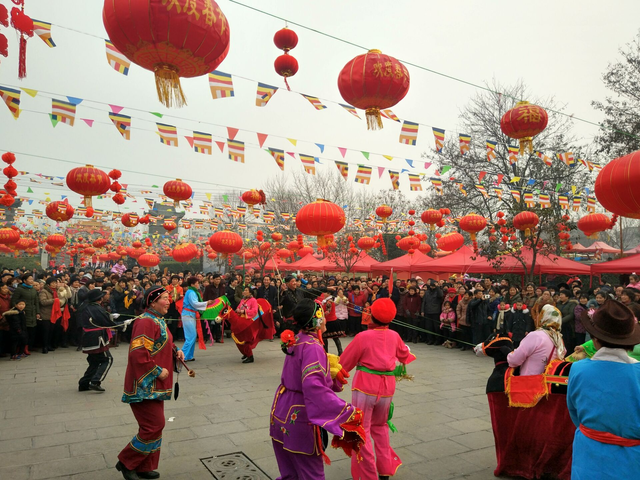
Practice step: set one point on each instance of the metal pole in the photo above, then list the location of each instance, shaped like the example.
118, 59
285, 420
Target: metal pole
620, 228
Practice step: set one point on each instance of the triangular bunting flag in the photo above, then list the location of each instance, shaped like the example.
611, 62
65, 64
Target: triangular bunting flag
321, 147
87, 121
262, 137
159, 115
115, 108
293, 141
232, 132
366, 155
190, 141
74, 100
30, 92
343, 151
388, 157
221, 146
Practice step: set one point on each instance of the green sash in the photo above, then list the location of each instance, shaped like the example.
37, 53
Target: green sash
399, 371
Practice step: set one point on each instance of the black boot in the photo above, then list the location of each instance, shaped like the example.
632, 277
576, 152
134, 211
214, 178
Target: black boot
248, 359
126, 473
151, 474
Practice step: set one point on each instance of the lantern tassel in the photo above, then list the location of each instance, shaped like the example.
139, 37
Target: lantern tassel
168, 86
22, 63
526, 145
287, 84
374, 120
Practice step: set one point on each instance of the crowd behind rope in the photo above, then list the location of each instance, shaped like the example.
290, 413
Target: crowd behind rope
38, 310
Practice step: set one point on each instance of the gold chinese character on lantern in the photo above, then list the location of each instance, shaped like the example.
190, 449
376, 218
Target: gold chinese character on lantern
398, 71
377, 69
223, 21
387, 69
208, 13
529, 113
171, 4
190, 8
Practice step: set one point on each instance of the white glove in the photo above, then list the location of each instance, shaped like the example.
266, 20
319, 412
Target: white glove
115, 316
126, 323
478, 350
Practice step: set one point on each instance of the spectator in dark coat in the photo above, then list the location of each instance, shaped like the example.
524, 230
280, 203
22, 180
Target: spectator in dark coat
478, 316
431, 310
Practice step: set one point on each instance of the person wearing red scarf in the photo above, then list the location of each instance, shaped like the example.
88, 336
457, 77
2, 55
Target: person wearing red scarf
50, 312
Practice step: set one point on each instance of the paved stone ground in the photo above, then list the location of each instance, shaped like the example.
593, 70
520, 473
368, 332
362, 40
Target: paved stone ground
50, 430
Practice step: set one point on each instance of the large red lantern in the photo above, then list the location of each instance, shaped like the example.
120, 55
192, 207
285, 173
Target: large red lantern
320, 218
284, 253
89, 182
294, 246
304, 251
472, 224
373, 82
254, 197
226, 242
384, 212
617, 186
169, 225
424, 248
184, 252
212, 255
276, 237
431, 217
99, 242
525, 222
177, 190
172, 38
113, 256
9, 236
408, 243
450, 242
21, 244
285, 65
523, 122
129, 220
56, 240
148, 260
593, 223
366, 243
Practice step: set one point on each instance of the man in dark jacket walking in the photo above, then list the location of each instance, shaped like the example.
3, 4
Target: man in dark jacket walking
290, 298
431, 309
270, 293
479, 317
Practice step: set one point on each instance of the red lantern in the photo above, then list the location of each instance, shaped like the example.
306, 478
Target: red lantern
525, 222
119, 199
384, 212
226, 242
265, 246
366, 243
88, 181
212, 255
254, 197
247, 255
148, 260
9, 236
129, 220
56, 240
450, 242
373, 81
177, 190
284, 253
276, 237
21, 244
99, 242
285, 39
408, 243
523, 122
617, 186
293, 246
169, 225
285, 65
472, 224
59, 211
304, 251
593, 223
136, 244
89, 251
431, 217
424, 248
114, 256
171, 38
320, 218
184, 252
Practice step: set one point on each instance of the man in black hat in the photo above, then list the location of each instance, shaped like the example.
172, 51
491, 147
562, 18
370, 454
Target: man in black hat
96, 323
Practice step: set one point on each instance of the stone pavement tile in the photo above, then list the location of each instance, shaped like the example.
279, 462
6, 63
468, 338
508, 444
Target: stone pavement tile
438, 448
215, 429
27, 457
115, 431
62, 417
183, 421
33, 431
66, 438
16, 445
25, 410
261, 448
202, 446
444, 469
484, 457
464, 413
68, 466
16, 473
408, 457
475, 440
471, 425
435, 432
91, 423
251, 436
99, 446
256, 423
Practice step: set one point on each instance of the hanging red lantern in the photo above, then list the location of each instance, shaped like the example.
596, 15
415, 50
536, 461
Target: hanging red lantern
285, 39
424, 248
472, 224
431, 217
247, 255
525, 222
293, 246
137, 252
284, 253
212, 255
276, 237
366, 243
113, 256
384, 212
129, 220
99, 242
24, 26
285, 65
450, 242
265, 246
172, 38
136, 244
523, 122
373, 82
9, 236
592, 224
59, 211
88, 181
22, 244
177, 190
148, 260
254, 197
7, 200
304, 251
119, 198
408, 243
320, 218
226, 242
617, 183
56, 240
169, 225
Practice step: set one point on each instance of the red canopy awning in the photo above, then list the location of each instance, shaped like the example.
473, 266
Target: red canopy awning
362, 265
417, 262
600, 247
622, 265
308, 262
633, 251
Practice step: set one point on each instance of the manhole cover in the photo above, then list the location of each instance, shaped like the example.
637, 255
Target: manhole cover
234, 466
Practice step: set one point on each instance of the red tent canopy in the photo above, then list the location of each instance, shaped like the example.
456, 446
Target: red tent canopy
272, 264
459, 261
418, 262
600, 247
621, 265
308, 262
633, 251
577, 248
363, 264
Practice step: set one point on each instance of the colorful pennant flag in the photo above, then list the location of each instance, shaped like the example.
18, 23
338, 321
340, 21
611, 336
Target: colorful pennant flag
577, 201
309, 163
547, 160
567, 158
43, 30
236, 150
482, 190
409, 133
202, 142
515, 194
61, 111
545, 200
315, 101
168, 134
591, 204
437, 184
344, 168
414, 182
528, 200
463, 191
122, 123
116, 59
395, 179
221, 84
513, 154
363, 175
390, 115
438, 134
498, 192
264, 94
278, 156
350, 109
11, 98
465, 143
491, 150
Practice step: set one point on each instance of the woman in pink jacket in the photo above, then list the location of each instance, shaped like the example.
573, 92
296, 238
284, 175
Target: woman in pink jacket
379, 355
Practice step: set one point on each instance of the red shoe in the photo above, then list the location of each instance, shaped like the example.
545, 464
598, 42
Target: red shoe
26, 351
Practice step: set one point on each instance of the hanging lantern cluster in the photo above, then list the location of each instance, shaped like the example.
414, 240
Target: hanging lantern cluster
4, 21
286, 65
88, 181
10, 187
563, 233
23, 25
253, 198
523, 122
115, 187
173, 39
373, 82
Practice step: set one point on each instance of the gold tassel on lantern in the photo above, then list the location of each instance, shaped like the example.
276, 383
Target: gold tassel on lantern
526, 145
168, 86
374, 120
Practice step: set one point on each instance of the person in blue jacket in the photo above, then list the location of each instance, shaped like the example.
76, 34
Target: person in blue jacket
603, 398
192, 303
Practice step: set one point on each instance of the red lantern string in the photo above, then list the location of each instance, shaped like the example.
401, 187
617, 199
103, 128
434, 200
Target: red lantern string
24, 25
286, 65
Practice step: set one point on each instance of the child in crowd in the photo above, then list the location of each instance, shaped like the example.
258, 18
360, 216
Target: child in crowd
519, 324
366, 316
448, 324
17, 326
502, 316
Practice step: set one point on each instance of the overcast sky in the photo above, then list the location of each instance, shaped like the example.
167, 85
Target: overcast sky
558, 48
